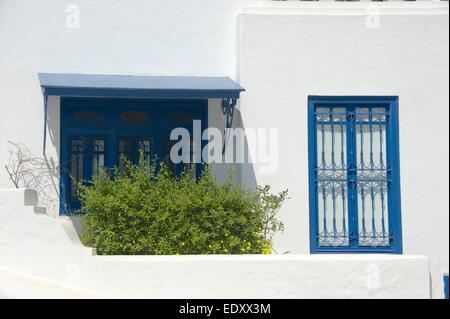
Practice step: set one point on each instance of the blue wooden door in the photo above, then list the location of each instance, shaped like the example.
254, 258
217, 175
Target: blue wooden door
99, 133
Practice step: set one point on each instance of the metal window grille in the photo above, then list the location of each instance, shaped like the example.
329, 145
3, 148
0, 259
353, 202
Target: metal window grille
98, 156
355, 198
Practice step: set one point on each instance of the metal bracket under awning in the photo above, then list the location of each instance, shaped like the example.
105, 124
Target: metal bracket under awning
228, 108
148, 87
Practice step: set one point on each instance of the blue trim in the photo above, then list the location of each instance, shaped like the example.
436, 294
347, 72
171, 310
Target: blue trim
394, 201
44, 146
353, 218
127, 86
137, 93
395, 194
312, 159
446, 288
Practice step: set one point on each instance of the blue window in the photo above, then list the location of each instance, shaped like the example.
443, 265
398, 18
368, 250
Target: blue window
101, 133
354, 175
87, 157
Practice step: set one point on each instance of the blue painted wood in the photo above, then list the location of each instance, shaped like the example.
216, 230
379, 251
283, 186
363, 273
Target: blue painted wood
352, 105
312, 160
128, 86
352, 193
112, 128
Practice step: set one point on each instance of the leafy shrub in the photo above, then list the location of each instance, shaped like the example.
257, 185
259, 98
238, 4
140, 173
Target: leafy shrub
149, 211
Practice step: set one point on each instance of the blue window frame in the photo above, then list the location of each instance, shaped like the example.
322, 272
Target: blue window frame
354, 175
99, 132
86, 157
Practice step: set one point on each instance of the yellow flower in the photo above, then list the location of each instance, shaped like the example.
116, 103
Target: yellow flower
226, 234
267, 249
225, 251
183, 244
243, 250
178, 254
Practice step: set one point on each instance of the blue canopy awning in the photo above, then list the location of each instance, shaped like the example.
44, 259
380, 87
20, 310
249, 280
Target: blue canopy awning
131, 86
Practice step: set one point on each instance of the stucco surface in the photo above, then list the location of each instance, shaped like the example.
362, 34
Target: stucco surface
280, 56
287, 55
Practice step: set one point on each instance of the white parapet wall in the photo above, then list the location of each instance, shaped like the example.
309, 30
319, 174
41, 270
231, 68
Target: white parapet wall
290, 50
41, 257
18, 197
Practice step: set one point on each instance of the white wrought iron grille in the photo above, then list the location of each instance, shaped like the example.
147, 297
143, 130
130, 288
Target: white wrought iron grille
352, 176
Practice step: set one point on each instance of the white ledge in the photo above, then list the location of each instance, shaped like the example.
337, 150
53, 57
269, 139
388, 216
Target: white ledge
18, 197
287, 257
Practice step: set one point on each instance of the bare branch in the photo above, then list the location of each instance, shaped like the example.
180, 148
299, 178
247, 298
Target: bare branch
27, 171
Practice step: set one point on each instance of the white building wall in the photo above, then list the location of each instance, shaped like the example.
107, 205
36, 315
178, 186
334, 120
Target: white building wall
289, 54
280, 56
153, 37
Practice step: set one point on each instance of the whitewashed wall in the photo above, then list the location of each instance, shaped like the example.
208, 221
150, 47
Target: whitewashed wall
289, 54
114, 37
154, 37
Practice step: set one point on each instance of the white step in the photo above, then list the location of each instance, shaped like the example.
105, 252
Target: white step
27, 210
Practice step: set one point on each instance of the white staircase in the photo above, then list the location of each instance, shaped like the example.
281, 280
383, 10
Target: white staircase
37, 252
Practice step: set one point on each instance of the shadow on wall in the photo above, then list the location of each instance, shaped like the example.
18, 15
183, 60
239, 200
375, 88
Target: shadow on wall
247, 170
27, 171
53, 129
41, 172
237, 153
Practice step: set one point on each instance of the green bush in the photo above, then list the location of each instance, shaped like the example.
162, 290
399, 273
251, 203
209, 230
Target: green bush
141, 212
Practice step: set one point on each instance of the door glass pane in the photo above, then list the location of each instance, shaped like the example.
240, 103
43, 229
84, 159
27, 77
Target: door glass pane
144, 151
98, 156
331, 168
167, 147
372, 177
191, 167
77, 156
